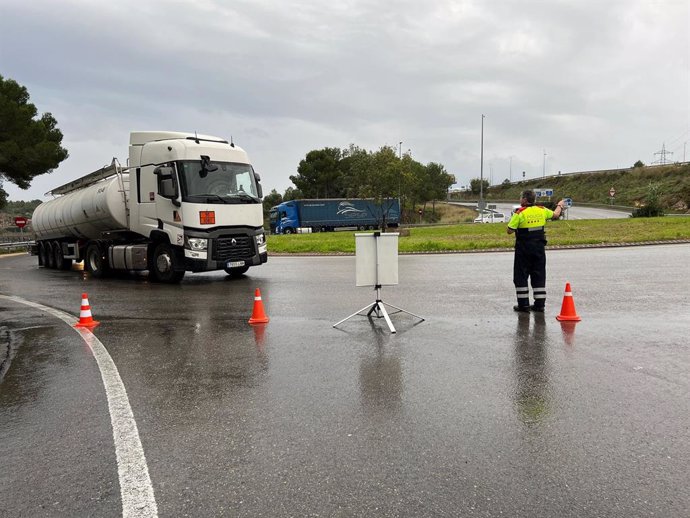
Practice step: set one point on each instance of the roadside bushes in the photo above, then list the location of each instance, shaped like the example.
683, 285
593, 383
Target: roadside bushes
652, 207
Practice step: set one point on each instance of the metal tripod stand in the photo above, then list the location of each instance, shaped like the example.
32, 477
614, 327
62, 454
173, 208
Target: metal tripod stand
378, 308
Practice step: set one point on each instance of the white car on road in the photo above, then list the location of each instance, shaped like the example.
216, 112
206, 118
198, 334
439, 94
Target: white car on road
491, 217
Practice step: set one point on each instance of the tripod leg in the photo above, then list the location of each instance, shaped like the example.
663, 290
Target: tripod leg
356, 313
403, 310
385, 315
375, 309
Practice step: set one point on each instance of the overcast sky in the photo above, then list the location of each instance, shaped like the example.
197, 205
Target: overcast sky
565, 85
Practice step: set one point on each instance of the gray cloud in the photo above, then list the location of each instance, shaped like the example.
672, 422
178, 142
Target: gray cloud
592, 84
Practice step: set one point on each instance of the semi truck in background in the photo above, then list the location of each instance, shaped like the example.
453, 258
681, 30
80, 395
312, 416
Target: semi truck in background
329, 214
184, 203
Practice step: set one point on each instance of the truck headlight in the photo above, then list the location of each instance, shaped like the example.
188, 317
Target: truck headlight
260, 239
198, 244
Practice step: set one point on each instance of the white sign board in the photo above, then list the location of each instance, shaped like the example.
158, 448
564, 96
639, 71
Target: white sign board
376, 259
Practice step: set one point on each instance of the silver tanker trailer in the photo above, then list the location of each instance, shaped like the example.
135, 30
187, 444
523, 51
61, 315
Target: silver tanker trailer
184, 202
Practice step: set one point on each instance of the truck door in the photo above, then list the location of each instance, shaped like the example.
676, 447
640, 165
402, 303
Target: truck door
167, 204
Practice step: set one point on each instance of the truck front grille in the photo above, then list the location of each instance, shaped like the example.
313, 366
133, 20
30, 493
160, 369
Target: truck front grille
233, 248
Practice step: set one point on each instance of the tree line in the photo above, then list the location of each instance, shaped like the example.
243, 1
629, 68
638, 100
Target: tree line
357, 173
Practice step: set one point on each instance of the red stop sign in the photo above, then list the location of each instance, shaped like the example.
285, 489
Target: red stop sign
20, 221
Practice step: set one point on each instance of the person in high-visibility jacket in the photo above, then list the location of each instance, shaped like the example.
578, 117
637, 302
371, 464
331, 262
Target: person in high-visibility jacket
529, 265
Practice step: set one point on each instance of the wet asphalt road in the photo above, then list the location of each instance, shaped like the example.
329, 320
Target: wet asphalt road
476, 411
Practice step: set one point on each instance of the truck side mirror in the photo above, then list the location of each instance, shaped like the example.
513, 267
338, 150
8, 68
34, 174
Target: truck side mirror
167, 186
259, 189
206, 166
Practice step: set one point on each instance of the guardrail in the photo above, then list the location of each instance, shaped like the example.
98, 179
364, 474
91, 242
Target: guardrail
16, 245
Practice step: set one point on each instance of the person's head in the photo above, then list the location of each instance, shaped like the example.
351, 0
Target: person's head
527, 197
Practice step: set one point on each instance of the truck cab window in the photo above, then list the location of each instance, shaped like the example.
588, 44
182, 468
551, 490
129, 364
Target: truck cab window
218, 182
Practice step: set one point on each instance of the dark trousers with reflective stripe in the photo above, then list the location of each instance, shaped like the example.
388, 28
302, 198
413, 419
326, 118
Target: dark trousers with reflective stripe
529, 265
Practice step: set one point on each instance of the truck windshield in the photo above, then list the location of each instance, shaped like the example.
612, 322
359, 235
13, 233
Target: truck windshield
228, 183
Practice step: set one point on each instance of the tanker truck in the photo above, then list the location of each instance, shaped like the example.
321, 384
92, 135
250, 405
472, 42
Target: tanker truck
183, 203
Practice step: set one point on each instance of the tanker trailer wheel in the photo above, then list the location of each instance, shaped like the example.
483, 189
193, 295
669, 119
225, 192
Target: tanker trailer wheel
43, 252
95, 261
60, 262
50, 255
163, 264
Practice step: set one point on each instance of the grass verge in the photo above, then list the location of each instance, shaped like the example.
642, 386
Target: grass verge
471, 237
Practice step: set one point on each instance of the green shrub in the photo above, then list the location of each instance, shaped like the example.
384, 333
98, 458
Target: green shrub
652, 207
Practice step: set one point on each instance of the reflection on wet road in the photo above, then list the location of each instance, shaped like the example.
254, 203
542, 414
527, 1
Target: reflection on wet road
531, 390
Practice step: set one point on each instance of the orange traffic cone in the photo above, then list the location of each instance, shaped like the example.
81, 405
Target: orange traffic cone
258, 315
85, 319
568, 312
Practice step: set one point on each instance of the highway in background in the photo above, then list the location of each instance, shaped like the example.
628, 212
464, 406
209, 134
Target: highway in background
574, 212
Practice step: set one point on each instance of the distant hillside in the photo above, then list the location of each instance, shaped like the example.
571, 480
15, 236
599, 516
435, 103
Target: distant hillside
631, 186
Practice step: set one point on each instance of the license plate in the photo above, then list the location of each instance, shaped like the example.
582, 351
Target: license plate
234, 264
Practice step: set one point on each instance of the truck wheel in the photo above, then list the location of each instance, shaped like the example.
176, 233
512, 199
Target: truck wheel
96, 262
288, 231
236, 272
60, 262
43, 250
163, 264
50, 255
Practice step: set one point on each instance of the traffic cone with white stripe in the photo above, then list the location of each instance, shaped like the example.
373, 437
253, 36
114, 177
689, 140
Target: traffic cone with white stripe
85, 318
568, 312
258, 314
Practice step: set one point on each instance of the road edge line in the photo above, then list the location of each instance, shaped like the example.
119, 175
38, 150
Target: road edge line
136, 489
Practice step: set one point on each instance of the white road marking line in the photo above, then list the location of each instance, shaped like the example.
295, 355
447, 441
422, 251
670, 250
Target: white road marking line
136, 490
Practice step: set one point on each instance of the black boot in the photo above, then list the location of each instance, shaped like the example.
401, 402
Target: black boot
521, 308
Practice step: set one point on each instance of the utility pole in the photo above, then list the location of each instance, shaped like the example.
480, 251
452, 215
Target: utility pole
543, 171
510, 170
481, 177
400, 200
